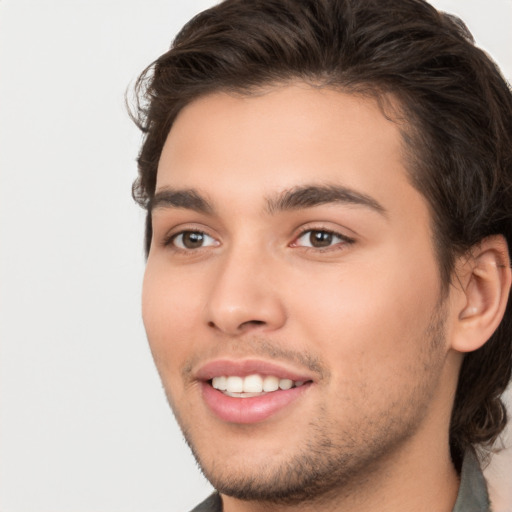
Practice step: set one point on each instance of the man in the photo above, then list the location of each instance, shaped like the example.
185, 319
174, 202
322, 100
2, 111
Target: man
329, 195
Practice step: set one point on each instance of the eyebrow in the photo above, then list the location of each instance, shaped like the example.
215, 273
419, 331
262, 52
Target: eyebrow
310, 196
183, 198
296, 198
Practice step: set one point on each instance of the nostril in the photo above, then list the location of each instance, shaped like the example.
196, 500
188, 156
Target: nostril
253, 322
249, 323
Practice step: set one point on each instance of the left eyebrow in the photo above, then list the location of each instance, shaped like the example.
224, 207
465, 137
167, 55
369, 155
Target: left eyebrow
315, 195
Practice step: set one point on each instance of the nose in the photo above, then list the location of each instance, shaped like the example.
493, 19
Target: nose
244, 296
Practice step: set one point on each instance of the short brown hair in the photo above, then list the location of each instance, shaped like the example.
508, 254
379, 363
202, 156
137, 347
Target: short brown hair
458, 134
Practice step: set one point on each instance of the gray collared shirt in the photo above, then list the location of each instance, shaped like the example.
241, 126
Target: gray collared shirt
472, 496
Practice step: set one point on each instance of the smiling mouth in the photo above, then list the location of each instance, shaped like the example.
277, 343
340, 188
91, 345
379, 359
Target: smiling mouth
252, 385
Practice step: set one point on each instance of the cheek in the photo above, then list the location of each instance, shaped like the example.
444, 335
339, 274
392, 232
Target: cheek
371, 331
170, 310
369, 313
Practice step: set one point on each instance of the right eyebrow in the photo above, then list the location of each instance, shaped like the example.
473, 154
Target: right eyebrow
180, 198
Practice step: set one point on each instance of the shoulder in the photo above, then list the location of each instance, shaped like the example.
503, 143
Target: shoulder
211, 504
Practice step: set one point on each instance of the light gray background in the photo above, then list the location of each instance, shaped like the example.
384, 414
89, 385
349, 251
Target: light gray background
84, 424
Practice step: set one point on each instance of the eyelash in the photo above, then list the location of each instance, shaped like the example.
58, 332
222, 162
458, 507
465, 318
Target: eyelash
170, 240
345, 240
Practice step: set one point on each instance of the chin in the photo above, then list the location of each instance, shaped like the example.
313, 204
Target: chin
312, 468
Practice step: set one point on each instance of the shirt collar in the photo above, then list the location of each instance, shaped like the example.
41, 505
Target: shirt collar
473, 495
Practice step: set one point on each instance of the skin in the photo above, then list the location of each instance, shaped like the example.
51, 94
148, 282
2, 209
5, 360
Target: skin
365, 317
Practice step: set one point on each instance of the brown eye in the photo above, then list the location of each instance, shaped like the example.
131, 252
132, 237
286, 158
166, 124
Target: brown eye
320, 239
193, 240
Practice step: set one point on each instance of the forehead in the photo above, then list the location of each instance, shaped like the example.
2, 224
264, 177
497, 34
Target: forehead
284, 137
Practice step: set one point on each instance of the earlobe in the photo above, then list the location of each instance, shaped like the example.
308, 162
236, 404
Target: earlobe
485, 279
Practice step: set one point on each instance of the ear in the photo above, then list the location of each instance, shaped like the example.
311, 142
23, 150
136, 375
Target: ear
484, 280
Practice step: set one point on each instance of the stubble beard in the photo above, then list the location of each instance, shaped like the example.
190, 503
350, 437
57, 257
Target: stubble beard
314, 474
332, 459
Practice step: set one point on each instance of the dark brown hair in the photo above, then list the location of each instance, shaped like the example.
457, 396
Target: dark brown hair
458, 126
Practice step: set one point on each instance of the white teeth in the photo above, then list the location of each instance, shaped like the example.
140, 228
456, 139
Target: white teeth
219, 383
270, 383
234, 384
285, 384
253, 384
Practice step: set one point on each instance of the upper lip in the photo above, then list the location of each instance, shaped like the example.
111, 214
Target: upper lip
245, 367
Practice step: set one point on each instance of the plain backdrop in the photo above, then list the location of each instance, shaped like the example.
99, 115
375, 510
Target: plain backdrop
84, 425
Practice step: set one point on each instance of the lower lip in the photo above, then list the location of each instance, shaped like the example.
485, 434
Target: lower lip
249, 410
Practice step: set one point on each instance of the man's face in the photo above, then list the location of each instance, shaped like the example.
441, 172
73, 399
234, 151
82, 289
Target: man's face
289, 249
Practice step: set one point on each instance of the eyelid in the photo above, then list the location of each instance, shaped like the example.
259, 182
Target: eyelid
169, 237
345, 240
188, 231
